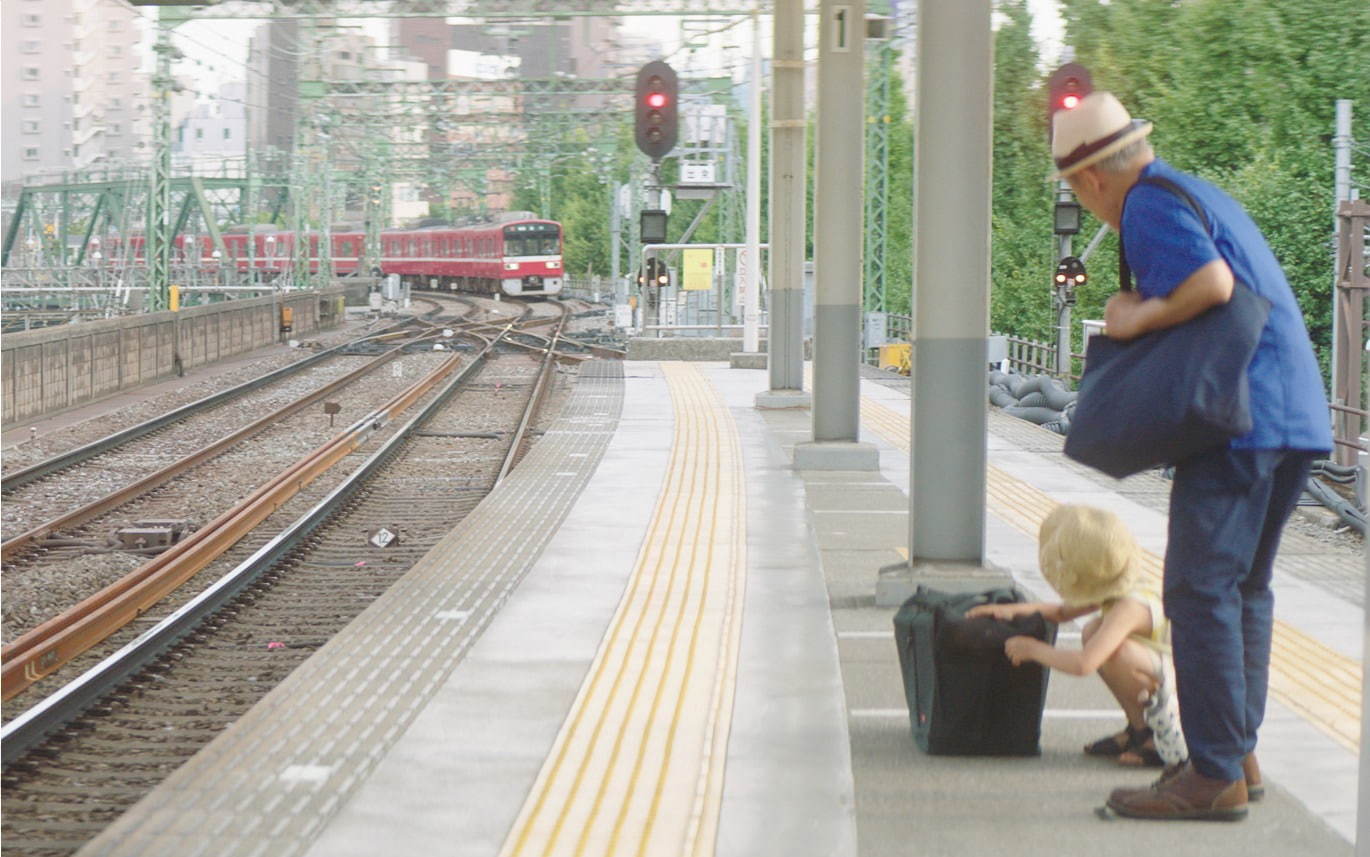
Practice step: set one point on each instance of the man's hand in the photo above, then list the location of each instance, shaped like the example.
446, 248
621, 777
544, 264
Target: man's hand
1121, 315
1128, 316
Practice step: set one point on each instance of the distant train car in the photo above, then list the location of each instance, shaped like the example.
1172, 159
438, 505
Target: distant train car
519, 255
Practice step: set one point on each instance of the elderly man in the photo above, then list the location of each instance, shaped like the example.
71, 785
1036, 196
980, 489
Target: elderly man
1229, 505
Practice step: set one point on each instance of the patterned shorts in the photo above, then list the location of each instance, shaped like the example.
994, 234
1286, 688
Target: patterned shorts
1162, 713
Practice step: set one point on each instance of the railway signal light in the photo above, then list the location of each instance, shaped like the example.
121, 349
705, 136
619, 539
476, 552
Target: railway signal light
654, 274
654, 110
1070, 273
1066, 87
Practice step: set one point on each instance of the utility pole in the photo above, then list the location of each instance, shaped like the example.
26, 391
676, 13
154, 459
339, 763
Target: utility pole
374, 216
751, 305
877, 177
157, 237
249, 215
615, 230
309, 187
1341, 179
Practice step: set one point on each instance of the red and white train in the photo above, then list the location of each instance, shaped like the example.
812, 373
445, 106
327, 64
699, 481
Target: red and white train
519, 255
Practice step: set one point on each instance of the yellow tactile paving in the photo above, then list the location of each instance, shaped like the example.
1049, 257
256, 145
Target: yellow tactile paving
1321, 684
638, 766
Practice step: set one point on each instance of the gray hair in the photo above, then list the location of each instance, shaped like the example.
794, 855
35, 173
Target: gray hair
1122, 160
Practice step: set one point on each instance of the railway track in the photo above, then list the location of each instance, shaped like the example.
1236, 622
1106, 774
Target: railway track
171, 687
15, 479
73, 531
70, 566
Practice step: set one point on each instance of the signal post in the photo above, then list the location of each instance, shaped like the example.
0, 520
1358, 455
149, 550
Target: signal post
1066, 86
655, 128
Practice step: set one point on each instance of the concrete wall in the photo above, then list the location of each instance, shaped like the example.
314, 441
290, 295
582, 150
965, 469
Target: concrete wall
53, 368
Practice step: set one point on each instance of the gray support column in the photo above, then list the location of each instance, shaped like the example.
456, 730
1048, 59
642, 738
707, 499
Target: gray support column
951, 298
951, 281
837, 244
785, 341
1363, 795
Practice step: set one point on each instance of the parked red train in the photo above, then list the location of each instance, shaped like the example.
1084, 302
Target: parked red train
520, 255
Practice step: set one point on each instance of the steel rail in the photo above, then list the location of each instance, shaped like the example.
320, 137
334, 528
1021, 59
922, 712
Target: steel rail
534, 401
595, 350
58, 709
55, 642
33, 472
120, 496
564, 356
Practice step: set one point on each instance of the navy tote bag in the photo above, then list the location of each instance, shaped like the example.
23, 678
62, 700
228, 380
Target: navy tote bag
1172, 393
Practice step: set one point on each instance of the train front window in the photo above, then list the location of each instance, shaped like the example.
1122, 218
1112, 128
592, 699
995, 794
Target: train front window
531, 239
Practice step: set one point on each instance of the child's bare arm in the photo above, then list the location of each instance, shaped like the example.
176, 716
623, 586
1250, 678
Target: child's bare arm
1067, 613
1004, 612
1125, 618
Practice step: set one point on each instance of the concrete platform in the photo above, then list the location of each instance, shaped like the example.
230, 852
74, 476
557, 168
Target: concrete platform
658, 637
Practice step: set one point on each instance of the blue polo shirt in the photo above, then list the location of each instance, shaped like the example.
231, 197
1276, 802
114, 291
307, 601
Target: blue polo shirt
1165, 242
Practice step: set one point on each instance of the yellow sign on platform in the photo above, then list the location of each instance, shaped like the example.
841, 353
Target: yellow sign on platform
698, 268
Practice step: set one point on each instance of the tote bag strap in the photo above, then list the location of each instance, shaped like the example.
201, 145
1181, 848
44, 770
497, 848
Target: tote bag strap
1124, 269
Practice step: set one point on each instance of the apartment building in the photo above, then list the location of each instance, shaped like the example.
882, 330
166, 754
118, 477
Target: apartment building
276, 55
213, 130
73, 95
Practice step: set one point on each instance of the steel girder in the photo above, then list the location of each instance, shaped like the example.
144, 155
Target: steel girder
488, 9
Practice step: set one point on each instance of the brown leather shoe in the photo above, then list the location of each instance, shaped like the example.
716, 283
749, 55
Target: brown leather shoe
1183, 794
1251, 770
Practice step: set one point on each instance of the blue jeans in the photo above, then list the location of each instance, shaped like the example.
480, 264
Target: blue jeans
1227, 510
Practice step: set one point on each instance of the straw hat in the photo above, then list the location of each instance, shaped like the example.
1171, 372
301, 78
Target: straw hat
1091, 131
1087, 554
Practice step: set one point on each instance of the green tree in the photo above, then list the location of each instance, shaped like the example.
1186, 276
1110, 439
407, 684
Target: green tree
1021, 263
1242, 93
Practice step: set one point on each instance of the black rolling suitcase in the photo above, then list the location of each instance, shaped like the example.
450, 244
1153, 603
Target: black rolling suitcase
965, 698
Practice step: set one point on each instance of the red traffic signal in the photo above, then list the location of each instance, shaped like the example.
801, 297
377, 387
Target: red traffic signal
654, 110
1066, 88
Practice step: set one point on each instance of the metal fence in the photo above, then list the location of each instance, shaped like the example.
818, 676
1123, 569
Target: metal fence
1031, 357
1026, 356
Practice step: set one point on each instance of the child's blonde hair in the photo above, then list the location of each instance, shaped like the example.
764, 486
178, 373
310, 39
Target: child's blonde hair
1087, 554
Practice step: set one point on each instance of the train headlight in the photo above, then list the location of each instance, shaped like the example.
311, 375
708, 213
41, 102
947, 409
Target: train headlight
553, 264
511, 266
